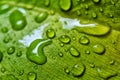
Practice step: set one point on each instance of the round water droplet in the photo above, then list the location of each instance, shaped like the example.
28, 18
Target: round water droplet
4, 30
1, 56
60, 54
3, 70
35, 51
65, 4
17, 20
6, 39
84, 40
41, 17
87, 52
21, 72
61, 44
112, 62
4, 8
50, 33
99, 48
11, 50
47, 3
31, 76
65, 39
74, 52
78, 70
96, 1
94, 15
67, 70
19, 54
101, 9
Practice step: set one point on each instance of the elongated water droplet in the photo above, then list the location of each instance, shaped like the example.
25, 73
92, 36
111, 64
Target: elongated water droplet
35, 51
98, 30
31, 76
4, 8
41, 17
17, 20
74, 52
65, 39
65, 4
1, 56
84, 40
78, 70
60, 54
99, 48
50, 33
11, 50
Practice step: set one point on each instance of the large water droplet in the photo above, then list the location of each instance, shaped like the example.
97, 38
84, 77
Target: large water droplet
35, 51
65, 4
65, 39
74, 52
98, 30
4, 8
11, 50
84, 40
50, 33
78, 70
99, 48
17, 20
1, 56
41, 17
31, 76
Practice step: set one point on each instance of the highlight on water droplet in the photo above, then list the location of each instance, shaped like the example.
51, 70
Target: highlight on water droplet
11, 50
31, 76
74, 52
84, 40
41, 17
50, 33
99, 49
78, 70
65, 39
65, 4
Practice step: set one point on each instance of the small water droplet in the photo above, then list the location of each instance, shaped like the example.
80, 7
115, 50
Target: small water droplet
86, 7
47, 3
74, 52
3, 70
84, 40
78, 70
21, 72
4, 30
35, 51
52, 12
94, 15
17, 20
1, 56
65, 4
6, 39
67, 70
112, 62
11, 50
4, 8
87, 52
78, 12
31, 76
101, 9
96, 1
92, 65
50, 33
19, 54
41, 17
60, 54
99, 48
61, 44
65, 39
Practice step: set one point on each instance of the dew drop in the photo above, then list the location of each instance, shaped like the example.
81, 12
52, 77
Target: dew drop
61, 44
17, 20
3, 70
4, 8
65, 39
74, 52
101, 9
84, 40
50, 33
6, 39
47, 3
4, 30
60, 54
19, 54
87, 52
65, 4
78, 70
67, 70
99, 49
35, 51
41, 17
1, 56
94, 15
78, 12
11, 50
112, 62
31, 76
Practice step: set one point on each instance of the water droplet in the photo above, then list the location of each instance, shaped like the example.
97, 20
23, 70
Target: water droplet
41, 17
50, 33
3, 70
92, 65
84, 40
1, 56
101, 9
98, 30
19, 54
31, 76
4, 30
21, 72
87, 52
65, 39
52, 12
96, 1
78, 12
65, 4
60, 54
61, 44
99, 48
6, 39
47, 3
86, 7
4, 8
78, 70
11, 50
74, 52
17, 20
94, 15
35, 51
112, 62
67, 70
